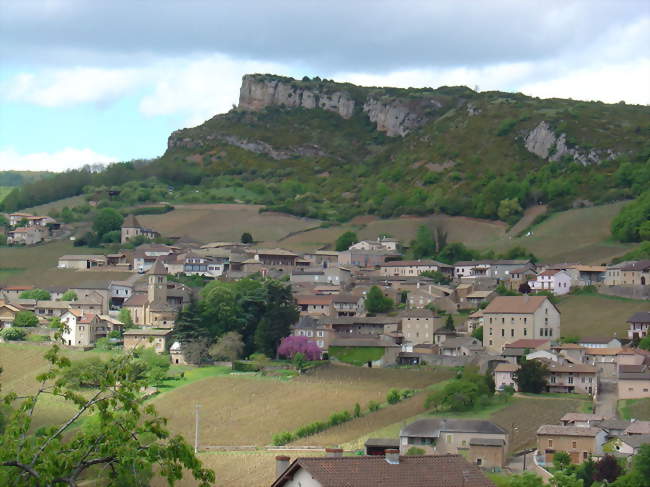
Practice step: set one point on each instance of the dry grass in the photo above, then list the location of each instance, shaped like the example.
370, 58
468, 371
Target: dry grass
527, 219
225, 222
597, 316
38, 263
56, 205
248, 410
315, 239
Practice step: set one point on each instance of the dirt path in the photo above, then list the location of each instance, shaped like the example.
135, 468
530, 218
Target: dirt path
607, 399
529, 216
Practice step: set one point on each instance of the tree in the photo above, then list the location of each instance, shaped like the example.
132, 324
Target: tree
229, 347
639, 474
345, 240
25, 319
644, 343
69, 296
586, 472
38, 294
292, 345
437, 276
423, 245
246, 238
478, 333
531, 376
561, 479
13, 334
449, 324
561, 460
376, 302
357, 410
509, 210
125, 317
125, 439
526, 479
299, 362
607, 469
524, 288
107, 220
196, 352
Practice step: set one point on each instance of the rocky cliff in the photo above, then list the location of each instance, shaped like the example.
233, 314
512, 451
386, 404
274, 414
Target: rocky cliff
392, 115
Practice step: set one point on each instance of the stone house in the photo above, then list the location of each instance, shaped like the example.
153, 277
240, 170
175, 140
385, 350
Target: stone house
153, 309
81, 262
131, 228
323, 258
583, 420
413, 268
97, 292
146, 338
579, 442
51, 309
274, 257
364, 258
554, 280
418, 326
315, 330
496, 269
7, 314
564, 377
461, 346
146, 255
388, 470
24, 236
634, 382
347, 305
315, 305
599, 342
16, 218
587, 275
81, 329
629, 273
510, 318
440, 436
382, 243
639, 325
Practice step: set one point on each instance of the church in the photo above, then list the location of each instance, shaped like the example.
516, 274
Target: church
152, 309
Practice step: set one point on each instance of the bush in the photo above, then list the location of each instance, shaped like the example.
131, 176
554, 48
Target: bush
25, 319
38, 294
283, 438
13, 334
357, 410
373, 406
414, 450
406, 393
393, 396
152, 210
241, 366
339, 418
561, 460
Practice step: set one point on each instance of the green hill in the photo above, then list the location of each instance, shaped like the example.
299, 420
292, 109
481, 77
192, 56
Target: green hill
333, 151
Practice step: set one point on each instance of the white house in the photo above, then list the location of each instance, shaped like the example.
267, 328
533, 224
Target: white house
556, 281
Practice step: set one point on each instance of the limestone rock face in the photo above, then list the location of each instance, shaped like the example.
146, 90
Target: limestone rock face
256, 94
544, 143
393, 116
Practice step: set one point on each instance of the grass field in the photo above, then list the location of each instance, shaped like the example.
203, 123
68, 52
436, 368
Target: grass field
56, 205
36, 265
4, 191
249, 410
634, 408
598, 315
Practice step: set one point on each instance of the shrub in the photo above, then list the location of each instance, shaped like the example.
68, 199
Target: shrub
38, 294
393, 396
357, 410
339, 418
561, 460
406, 393
13, 334
283, 438
373, 406
25, 319
241, 366
414, 450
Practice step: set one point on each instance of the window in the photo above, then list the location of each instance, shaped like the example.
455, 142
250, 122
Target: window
550, 443
479, 461
525, 331
552, 379
512, 320
503, 320
490, 342
512, 332
503, 332
449, 438
490, 331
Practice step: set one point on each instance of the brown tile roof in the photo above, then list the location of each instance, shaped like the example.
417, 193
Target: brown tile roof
411, 263
417, 313
324, 300
136, 300
640, 317
603, 351
638, 428
527, 343
515, 304
571, 417
146, 332
375, 471
550, 272
557, 430
131, 222
503, 367
582, 368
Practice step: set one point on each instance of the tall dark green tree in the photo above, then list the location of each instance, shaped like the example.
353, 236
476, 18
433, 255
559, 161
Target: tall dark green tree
345, 240
107, 220
531, 376
376, 302
423, 245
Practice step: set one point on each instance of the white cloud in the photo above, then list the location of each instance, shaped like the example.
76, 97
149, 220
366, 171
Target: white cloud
57, 88
68, 158
200, 88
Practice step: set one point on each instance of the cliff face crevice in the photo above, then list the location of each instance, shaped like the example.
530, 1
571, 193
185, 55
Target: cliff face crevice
393, 116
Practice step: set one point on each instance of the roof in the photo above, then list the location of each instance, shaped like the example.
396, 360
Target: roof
273, 252
634, 376
599, 340
558, 430
432, 427
136, 300
506, 367
479, 294
568, 346
640, 317
527, 343
375, 471
131, 222
638, 428
345, 298
388, 442
486, 442
87, 318
315, 299
602, 351
571, 417
614, 424
52, 304
456, 342
515, 304
443, 330
146, 332
641, 265
83, 257
361, 341
411, 263
18, 288
568, 367
465, 263
417, 313
590, 268
158, 268
550, 272
635, 441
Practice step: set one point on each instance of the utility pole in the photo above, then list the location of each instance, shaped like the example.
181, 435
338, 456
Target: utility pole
196, 428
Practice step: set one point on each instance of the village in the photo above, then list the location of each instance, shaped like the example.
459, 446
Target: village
496, 315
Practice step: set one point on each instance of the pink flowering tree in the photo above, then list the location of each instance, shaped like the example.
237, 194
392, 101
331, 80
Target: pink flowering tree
292, 345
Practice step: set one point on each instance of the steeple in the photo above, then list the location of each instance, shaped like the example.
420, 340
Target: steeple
157, 291
131, 222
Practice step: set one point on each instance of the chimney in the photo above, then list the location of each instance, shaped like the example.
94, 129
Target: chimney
281, 464
392, 457
334, 452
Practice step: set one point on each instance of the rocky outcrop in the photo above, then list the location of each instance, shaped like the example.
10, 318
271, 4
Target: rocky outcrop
543, 142
394, 116
177, 140
258, 93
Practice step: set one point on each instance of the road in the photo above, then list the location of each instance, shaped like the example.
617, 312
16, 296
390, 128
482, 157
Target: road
607, 399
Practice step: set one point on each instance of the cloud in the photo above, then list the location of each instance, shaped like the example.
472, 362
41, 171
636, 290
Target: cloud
56, 88
68, 158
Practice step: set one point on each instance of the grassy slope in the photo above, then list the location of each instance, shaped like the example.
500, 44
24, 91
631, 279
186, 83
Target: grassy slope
249, 410
597, 316
4, 191
56, 205
38, 263
635, 408
225, 222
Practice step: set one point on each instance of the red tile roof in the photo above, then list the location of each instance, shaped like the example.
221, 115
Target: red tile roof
527, 343
515, 304
375, 471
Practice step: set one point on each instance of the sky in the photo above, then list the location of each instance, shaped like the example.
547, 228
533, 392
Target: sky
96, 81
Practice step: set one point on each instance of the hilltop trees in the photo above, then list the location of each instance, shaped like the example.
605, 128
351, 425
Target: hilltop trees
632, 224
